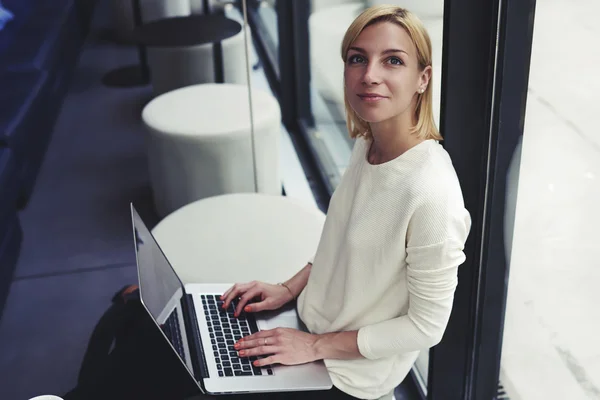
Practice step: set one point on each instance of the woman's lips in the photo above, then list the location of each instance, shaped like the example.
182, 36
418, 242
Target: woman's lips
371, 97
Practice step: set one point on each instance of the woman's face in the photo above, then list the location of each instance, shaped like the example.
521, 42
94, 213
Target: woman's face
382, 74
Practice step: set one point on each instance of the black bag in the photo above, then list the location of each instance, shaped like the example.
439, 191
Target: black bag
127, 358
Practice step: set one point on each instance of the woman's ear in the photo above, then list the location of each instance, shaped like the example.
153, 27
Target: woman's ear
425, 76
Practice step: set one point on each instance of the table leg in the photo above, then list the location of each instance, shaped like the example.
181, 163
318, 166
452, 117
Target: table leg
217, 47
137, 18
131, 75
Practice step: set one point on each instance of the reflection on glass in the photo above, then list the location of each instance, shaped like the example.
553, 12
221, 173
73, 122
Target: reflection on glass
268, 14
550, 344
328, 22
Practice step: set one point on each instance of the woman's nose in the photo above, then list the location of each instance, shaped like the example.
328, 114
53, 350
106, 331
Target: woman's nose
371, 75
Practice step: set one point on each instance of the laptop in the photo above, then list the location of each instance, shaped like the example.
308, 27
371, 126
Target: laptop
202, 334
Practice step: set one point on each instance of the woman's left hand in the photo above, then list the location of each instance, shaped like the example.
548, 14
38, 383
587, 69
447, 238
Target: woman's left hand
283, 345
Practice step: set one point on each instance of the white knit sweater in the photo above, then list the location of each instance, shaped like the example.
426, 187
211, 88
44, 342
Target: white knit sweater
386, 264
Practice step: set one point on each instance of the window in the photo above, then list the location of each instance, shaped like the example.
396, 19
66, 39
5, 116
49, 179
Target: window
262, 16
550, 347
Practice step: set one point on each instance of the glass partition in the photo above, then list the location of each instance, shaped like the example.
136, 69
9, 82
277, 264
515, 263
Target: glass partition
550, 348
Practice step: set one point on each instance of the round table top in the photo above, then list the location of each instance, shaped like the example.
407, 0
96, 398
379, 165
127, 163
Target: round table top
189, 30
211, 110
240, 237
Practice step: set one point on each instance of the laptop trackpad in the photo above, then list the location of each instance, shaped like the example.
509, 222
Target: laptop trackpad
285, 317
283, 322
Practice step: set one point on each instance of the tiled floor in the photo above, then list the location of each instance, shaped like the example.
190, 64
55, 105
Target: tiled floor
46, 326
77, 249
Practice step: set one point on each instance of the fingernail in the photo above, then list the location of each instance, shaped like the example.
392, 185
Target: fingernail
248, 308
255, 363
237, 345
242, 352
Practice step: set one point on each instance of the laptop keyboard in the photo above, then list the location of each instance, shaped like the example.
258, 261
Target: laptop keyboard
225, 330
172, 331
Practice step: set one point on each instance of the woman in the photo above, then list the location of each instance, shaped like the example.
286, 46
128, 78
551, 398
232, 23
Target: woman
381, 285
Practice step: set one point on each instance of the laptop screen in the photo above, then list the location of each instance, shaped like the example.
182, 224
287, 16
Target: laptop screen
161, 291
158, 281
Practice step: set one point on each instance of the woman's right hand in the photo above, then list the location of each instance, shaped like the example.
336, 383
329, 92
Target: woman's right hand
271, 296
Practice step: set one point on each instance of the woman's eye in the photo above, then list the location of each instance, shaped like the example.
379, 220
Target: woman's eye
356, 59
395, 61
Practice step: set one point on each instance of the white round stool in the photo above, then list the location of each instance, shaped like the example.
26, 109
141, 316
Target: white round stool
199, 143
179, 66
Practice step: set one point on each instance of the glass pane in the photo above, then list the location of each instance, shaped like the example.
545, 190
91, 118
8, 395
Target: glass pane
328, 22
268, 15
551, 348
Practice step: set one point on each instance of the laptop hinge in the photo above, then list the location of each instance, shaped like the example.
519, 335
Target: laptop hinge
194, 339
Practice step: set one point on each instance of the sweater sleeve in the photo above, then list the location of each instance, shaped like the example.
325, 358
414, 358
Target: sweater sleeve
435, 242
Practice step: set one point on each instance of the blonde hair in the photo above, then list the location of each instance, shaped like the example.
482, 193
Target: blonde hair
425, 127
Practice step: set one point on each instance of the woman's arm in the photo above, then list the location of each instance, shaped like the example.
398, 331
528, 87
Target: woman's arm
431, 302
435, 243
337, 346
431, 276
298, 282
431, 280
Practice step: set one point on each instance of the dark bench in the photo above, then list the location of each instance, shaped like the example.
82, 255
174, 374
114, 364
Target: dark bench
25, 124
39, 49
10, 228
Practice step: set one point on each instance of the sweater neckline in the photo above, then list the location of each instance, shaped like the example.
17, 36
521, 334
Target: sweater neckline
406, 156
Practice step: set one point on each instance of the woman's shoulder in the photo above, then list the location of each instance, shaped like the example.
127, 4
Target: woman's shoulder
438, 164
437, 178
438, 197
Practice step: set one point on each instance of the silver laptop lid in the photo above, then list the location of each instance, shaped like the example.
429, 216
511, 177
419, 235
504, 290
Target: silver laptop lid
160, 288
158, 280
